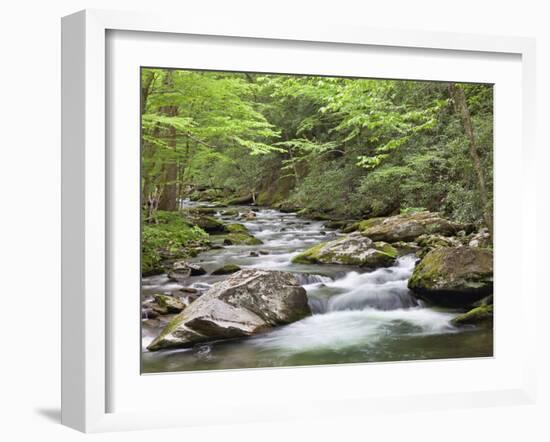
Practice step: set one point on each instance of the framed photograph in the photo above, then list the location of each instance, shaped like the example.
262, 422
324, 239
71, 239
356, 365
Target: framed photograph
252, 213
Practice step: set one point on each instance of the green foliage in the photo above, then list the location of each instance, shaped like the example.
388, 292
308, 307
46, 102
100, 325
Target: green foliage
349, 147
169, 234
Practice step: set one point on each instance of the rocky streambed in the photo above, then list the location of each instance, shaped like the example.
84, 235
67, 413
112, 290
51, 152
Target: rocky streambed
282, 290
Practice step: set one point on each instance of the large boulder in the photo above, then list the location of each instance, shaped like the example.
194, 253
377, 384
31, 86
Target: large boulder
352, 249
453, 276
248, 302
209, 224
237, 201
237, 234
407, 227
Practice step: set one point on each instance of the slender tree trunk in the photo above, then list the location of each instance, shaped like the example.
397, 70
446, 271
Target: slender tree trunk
147, 83
461, 107
169, 197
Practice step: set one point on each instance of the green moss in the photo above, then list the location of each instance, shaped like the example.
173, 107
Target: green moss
172, 325
309, 256
478, 315
226, 269
385, 254
204, 210
237, 228
386, 249
169, 234
209, 224
368, 223
352, 227
242, 239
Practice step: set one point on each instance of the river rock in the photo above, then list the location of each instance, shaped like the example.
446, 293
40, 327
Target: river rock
428, 243
481, 239
241, 200
181, 270
406, 248
165, 304
454, 276
352, 249
204, 210
407, 227
226, 269
238, 234
149, 313
482, 315
209, 224
248, 302
338, 224
194, 269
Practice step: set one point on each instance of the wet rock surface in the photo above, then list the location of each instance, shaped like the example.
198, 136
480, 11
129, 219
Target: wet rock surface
457, 276
352, 249
246, 303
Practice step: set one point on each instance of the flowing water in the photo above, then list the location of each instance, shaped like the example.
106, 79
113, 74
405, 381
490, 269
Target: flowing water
358, 315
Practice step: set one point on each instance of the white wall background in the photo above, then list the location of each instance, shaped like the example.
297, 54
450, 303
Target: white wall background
30, 220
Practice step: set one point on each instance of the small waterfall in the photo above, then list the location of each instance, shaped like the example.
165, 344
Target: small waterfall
386, 297
383, 289
317, 305
308, 278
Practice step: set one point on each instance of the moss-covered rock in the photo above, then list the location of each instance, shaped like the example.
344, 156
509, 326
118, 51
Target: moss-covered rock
239, 239
237, 228
339, 224
406, 248
431, 242
240, 200
226, 269
230, 212
407, 227
453, 276
204, 210
166, 304
169, 236
237, 235
353, 249
351, 227
482, 315
209, 224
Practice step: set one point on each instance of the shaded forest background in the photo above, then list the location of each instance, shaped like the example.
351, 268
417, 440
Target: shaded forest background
347, 148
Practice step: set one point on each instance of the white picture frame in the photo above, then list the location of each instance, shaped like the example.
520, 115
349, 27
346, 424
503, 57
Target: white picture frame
86, 234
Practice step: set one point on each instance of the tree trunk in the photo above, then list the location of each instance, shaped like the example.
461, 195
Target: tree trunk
169, 197
147, 83
461, 107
